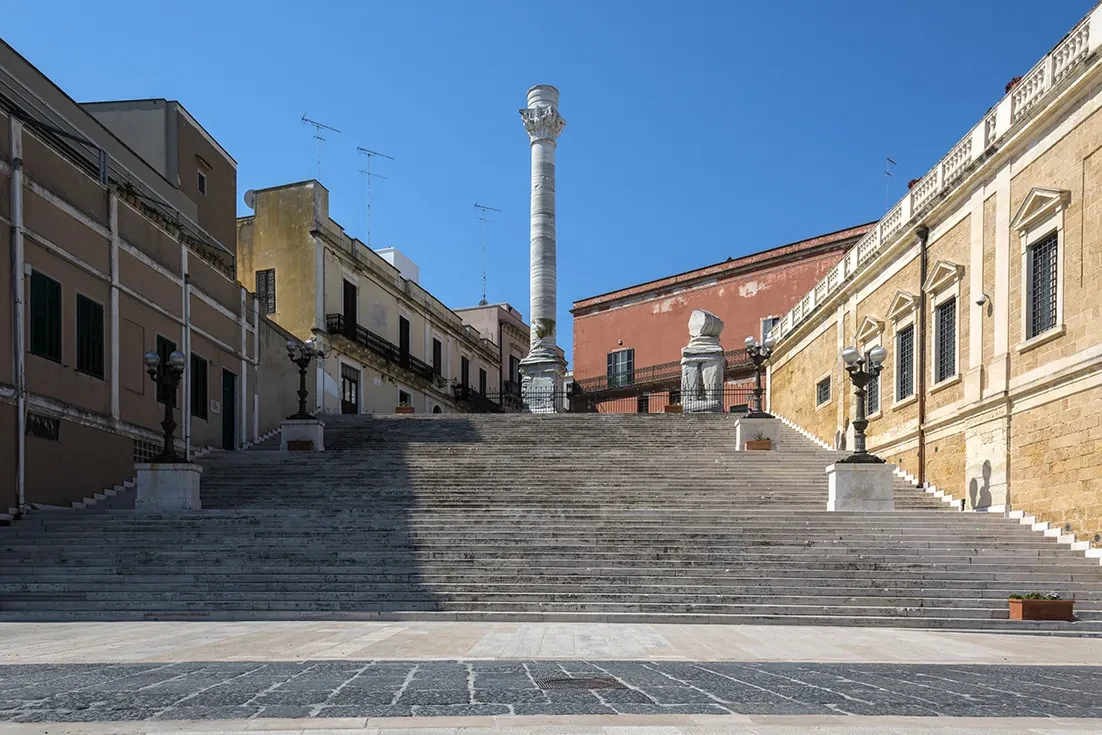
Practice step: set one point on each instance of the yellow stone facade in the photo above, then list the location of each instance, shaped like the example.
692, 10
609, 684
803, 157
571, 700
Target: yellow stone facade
1018, 425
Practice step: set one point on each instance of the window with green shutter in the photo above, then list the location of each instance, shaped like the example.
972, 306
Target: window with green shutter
89, 337
45, 317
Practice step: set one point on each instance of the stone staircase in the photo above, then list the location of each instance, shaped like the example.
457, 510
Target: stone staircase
574, 517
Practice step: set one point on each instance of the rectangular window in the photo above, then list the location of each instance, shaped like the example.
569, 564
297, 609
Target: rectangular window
199, 398
905, 363
822, 391
945, 320
266, 291
437, 357
404, 399
45, 317
464, 371
89, 337
514, 368
872, 397
165, 348
202, 184
1041, 286
621, 368
767, 326
482, 381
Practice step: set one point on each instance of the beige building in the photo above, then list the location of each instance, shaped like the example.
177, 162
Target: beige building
985, 285
392, 342
504, 326
109, 259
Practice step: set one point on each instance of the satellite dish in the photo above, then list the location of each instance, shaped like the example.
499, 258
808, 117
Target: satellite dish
250, 199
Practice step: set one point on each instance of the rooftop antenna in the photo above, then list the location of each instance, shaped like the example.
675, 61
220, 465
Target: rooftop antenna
367, 174
318, 127
888, 163
482, 210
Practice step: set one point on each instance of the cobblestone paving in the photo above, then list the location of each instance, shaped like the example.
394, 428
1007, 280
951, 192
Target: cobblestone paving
194, 691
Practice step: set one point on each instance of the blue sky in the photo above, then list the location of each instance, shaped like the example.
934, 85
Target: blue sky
696, 130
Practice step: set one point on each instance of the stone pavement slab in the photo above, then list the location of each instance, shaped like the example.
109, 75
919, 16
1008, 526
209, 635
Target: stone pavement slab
120, 642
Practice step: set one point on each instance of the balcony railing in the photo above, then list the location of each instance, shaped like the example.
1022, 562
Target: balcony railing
996, 126
336, 324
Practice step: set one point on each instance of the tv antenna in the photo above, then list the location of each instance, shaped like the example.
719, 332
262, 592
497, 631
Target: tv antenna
318, 127
482, 210
367, 174
888, 163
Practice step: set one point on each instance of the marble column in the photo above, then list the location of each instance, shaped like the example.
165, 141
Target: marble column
542, 371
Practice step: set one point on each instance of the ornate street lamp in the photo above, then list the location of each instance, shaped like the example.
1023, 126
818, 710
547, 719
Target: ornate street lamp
759, 353
167, 379
301, 353
862, 371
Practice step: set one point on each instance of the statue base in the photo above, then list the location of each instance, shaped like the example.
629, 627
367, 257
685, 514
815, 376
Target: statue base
542, 384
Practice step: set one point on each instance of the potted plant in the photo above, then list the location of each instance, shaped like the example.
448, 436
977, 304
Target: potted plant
404, 407
758, 442
1041, 606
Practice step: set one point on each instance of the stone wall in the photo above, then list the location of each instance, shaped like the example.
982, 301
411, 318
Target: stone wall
793, 388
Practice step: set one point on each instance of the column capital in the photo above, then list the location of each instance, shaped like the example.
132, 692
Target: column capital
542, 122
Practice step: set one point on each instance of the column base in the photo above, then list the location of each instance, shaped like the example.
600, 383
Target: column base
302, 435
757, 429
167, 487
860, 487
542, 384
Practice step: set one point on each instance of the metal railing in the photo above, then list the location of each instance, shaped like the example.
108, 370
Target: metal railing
336, 324
666, 374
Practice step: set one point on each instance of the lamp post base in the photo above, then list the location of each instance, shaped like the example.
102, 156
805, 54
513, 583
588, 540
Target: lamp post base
167, 487
753, 428
294, 432
860, 487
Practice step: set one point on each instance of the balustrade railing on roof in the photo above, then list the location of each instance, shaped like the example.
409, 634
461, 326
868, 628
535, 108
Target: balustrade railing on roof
996, 124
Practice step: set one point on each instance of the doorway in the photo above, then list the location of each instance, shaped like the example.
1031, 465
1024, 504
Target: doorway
229, 410
350, 309
350, 389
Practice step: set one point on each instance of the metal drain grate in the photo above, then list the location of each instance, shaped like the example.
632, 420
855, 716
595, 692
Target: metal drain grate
595, 682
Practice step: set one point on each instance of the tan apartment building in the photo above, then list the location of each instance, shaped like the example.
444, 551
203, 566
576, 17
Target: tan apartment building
392, 342
504, 326
985, 285
108, 259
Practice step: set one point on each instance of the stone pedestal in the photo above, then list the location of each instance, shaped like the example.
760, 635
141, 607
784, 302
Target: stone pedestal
860, 487
702, 365
542, 384
747, 429
167, 487
300, 430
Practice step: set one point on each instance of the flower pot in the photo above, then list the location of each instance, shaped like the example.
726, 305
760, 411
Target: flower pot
757, 444
300, 445
1042, 610
404, 409
672, 408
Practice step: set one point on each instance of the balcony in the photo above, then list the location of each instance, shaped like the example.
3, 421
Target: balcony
336, 325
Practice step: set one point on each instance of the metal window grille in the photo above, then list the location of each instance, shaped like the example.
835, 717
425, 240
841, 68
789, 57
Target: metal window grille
89, 337
266, 290
905, 363
1041, 295
45, 317
200, 401
946, 340
872, 397
822, 391
621, 368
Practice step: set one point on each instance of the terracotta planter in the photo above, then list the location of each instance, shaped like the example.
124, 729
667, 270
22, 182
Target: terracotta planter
300, 445
404, 409
672, 408
1042, 610
757, 444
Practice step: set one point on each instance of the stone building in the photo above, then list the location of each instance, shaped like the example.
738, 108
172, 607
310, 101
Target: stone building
984, 283
110, 256
392, 342
644, 325
504, 326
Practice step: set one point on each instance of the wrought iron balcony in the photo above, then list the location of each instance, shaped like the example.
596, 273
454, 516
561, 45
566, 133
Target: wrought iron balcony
664, 374
336, 324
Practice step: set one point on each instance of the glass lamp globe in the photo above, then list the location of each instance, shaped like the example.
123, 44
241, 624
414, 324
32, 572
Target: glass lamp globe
177, 360
878, 354
770, 341
151, 359
749, 342
292, 345
850, 356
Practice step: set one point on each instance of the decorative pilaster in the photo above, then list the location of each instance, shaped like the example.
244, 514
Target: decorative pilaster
542, 370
